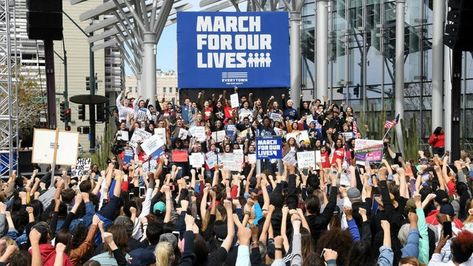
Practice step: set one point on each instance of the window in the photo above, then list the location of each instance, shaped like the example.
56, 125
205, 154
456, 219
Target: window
164, 89
177, 90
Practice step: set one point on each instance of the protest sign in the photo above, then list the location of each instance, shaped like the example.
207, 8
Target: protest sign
161, 132
43, 147
196, 160
347, 135
183, 134
139, 135
230, 161
276, 117
122, 135
227, 49
303, 136
219, 136
180, 156
128, 156
153, 146
211, 159
198, 133
268, 148
306, 159
234, 100
368, 150
81, 168
290, 158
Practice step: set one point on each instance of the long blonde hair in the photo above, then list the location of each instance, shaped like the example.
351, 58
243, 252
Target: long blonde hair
164, 254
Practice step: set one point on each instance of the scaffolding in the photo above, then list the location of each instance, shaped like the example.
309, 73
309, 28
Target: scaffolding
8, 91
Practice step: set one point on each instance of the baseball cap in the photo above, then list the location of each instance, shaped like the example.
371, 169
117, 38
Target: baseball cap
354, 194
447, 208
159, 207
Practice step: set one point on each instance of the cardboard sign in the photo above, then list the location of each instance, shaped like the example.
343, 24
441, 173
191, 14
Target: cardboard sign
230, 162
161, 132
219, 136
43, 147
306, 160
234, 100
303, 136
123, 135
276, 117
196, 159
153, 146
183, 134
180, 156
198, 133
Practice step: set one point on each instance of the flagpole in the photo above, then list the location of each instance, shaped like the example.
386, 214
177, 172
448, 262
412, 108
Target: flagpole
389, 129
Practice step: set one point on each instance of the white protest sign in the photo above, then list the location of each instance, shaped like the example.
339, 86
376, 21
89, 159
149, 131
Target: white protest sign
318, 158
290, 158
150, 166
81, 168
347, 135
239, 158
309, 119
198, 133
292, 135
196, 160
219, 136
211, 159
152, 145
303, 136
276, 117
230, 162
234, 100
122, 135
306, 159
161, 132
43, 147
139, 135
183, 134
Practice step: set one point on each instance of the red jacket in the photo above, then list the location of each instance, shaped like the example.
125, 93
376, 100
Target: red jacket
437, 141
48, 255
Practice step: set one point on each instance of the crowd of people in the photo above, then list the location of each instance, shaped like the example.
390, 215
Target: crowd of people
161, 209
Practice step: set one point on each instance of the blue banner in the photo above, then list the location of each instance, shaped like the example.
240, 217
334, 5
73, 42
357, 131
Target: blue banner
233, 49
268, 148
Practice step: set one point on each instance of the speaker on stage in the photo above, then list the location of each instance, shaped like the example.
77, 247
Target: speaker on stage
44, 19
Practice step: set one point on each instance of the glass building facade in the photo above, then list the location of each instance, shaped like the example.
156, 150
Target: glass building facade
361, 60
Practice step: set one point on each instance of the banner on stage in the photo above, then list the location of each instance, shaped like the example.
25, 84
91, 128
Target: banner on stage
233, 49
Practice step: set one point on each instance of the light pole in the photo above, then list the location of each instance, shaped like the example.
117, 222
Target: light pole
92, 85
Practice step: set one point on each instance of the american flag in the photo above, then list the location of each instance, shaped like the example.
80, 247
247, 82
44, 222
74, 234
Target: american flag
391, 124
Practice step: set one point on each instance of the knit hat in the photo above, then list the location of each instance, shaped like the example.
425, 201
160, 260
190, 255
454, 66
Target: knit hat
354, 194
159, 207
170, 238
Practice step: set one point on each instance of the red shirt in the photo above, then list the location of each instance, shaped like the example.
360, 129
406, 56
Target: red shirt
338, 154
432, 219
325, 159
437, 141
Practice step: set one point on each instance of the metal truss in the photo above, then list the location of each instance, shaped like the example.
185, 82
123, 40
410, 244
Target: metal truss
8, 90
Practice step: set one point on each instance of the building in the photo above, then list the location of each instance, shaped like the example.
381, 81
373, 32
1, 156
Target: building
166, 86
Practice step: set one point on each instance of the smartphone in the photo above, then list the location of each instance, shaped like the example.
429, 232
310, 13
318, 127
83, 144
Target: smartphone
142, 191
447, 229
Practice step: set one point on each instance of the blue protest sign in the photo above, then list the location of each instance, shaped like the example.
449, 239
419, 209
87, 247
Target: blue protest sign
228, 49
268, 148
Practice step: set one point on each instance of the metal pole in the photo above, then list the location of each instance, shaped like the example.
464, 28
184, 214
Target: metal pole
66, 92
448, 98
455, 104
10, 91
382, 16
321, 48
347, 53
92, 93
437, 62
296, 59
50, 82
364, 60
465, 75
399, 91
148, 90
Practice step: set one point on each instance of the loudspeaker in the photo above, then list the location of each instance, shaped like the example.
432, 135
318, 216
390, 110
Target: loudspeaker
459, 27
44, 19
